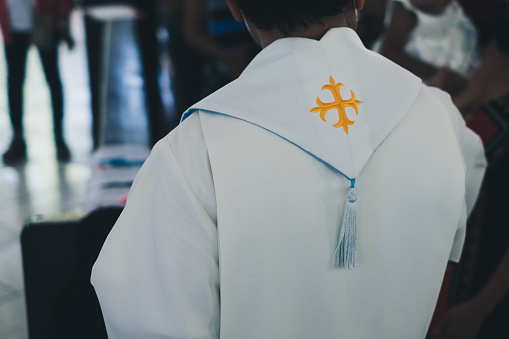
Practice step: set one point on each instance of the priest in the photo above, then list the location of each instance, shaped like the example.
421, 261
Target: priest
319, 195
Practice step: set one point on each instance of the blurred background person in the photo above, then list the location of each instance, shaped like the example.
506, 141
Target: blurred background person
187, 78
483, 308
371, 21
211, 30
490, 81
464, 321
45, 23
424, 36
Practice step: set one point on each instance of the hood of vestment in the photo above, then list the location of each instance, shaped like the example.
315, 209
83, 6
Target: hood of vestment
332, 97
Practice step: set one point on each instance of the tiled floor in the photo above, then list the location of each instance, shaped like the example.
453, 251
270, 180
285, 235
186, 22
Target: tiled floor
42, 185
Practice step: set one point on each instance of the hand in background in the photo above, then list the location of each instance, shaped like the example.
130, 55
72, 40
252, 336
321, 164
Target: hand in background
464, 320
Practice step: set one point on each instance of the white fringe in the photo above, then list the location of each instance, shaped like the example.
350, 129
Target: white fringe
345, 253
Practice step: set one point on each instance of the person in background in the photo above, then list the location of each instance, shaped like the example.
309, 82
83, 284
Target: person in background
425, 36
187, 78
465, 320
484, 103
44, 23
371, 21
490, 80
212, 31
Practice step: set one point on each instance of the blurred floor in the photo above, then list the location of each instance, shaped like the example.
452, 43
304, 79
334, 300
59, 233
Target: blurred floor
42, 185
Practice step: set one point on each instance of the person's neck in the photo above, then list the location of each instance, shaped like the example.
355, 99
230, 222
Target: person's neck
313, 31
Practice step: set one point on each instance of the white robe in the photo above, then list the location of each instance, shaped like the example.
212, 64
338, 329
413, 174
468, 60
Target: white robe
231, 224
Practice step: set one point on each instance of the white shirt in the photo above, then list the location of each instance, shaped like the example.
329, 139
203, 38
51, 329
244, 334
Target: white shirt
20, 15
448, 38
230, 225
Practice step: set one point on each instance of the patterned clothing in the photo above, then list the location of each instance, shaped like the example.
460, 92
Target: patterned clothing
491, 122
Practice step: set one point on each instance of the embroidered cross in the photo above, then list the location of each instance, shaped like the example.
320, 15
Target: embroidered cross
338, 104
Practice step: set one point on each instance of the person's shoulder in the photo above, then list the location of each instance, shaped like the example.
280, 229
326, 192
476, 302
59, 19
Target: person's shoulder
185, 146
187, 134
469, 141
188, 145
444, 99
439, 94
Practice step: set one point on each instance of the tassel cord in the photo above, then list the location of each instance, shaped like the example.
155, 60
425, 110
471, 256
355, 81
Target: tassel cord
345, 253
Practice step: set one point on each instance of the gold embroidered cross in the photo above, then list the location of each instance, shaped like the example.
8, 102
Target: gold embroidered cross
338, 104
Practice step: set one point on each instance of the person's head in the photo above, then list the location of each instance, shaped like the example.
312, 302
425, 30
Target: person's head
283, 18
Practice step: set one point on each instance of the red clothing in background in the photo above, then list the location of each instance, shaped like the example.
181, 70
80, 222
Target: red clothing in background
5, 24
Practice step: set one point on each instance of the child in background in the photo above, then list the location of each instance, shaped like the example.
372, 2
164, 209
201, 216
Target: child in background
425, 36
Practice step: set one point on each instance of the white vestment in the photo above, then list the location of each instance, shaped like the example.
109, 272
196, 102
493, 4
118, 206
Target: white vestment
231, 224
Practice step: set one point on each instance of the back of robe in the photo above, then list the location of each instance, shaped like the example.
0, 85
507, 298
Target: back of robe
279, 210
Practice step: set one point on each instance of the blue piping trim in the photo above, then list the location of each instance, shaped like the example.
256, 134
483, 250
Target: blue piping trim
187, 114
192, 110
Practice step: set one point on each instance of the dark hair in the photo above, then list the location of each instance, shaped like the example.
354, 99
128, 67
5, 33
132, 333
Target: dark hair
289, 15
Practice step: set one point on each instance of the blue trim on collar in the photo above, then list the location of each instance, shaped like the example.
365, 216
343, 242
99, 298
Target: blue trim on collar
191, 111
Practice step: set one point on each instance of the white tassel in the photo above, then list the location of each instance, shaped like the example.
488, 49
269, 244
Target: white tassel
345, 254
